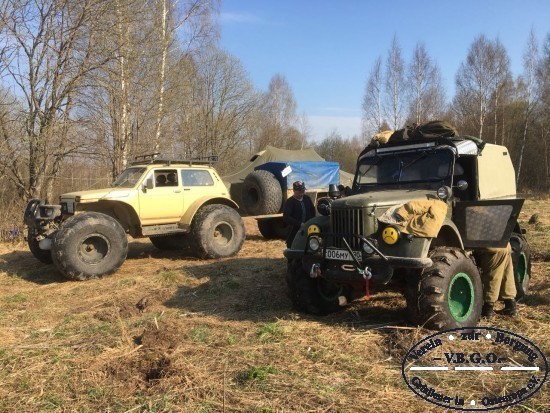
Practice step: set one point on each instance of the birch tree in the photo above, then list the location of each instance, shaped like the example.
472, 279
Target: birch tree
530, 66
395, 85
427, 97
475, 82
195, 17
502, 80
279, 120
372, 119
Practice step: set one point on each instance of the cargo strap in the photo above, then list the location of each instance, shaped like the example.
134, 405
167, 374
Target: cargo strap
367, 275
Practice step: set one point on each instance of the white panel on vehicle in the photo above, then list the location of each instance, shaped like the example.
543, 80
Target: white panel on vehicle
286, 171
466, 147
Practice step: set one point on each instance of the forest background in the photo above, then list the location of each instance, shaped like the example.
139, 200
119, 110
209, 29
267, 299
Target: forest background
88, 85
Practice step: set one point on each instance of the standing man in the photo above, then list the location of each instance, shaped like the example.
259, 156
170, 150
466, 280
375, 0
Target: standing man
497, 276
297, 210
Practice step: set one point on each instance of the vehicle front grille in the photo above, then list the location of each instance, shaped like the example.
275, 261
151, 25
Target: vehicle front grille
347, 222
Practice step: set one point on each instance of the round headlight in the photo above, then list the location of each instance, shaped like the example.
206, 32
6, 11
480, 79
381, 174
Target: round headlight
323, 206
444, 192
314, 244
367, 248
390, 235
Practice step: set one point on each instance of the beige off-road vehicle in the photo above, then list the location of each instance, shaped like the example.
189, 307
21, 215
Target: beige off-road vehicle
177, 204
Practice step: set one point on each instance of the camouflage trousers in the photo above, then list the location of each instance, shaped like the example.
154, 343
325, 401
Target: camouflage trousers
497, 274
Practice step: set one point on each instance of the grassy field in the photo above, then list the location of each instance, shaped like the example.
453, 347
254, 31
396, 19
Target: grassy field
171, 333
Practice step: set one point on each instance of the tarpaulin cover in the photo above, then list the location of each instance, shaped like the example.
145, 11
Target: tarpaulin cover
316, 175
270, 154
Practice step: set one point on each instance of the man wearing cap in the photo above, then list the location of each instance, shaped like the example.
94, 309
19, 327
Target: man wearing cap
297, 210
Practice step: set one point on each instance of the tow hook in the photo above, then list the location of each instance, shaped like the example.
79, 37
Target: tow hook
315, 271
366, 273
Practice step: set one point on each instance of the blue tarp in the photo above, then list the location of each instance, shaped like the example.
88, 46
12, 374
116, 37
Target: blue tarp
316, 175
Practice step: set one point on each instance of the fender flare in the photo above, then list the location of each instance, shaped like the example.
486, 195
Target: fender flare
187, 218
448, 236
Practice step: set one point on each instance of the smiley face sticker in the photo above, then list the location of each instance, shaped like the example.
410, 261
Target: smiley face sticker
390, 235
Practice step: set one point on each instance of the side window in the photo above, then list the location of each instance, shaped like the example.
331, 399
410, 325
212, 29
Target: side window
166, 177
191, 177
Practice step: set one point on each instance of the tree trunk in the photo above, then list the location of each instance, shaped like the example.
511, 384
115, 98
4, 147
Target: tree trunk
522, 149
162, 75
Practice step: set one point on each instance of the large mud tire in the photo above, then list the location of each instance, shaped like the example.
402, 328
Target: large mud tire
521, 259
217, 231
273, 228
44, 256
312, 296
173, 242
261, 193
89, 245
449, 294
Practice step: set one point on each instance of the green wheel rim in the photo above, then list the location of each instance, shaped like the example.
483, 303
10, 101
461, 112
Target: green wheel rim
521, 268
461, 297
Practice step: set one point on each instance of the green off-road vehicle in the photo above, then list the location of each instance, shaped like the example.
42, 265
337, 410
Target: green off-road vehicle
417, 212
177, 204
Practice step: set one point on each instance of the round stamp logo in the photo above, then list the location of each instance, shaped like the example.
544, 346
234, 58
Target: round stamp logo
475, 369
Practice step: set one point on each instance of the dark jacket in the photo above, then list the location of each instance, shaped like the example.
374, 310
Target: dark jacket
292, 215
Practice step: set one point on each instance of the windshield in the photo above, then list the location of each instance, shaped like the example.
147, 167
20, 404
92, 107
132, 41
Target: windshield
398, 167
129, 178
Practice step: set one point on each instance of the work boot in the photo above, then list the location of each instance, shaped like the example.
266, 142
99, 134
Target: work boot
509, 308
487, 311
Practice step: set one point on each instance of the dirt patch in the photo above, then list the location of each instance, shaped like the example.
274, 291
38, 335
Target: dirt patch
161, 337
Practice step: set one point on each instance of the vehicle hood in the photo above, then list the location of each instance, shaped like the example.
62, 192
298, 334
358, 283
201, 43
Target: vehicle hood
383, 198
95, 195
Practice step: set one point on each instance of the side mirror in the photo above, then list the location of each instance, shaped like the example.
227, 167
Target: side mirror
148, 184
461, 185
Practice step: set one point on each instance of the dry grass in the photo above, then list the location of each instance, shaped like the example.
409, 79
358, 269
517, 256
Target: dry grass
214, 336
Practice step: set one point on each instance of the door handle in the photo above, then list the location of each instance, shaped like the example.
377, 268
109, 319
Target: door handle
177, 191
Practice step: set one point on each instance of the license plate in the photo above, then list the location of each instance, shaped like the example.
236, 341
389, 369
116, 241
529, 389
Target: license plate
342, 255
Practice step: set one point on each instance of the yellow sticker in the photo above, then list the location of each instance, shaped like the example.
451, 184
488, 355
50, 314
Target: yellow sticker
390, 235
313, 229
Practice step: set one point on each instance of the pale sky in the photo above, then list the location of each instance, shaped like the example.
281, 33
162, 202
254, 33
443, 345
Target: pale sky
325, 49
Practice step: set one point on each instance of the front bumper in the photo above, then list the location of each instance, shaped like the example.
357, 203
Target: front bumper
380, 267
38, 212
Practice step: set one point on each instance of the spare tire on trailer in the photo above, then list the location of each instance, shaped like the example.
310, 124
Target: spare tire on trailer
262, 194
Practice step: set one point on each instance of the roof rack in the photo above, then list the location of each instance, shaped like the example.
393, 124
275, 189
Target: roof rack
152, 159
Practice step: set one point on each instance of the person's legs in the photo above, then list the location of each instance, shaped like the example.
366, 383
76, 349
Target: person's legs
497, 278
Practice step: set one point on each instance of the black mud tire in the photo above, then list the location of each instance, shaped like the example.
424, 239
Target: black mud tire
172, 242
261, 194
411, 298
44, 256
449, 293
311, 296
521, 259
273, 228
89, 245
217, 231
